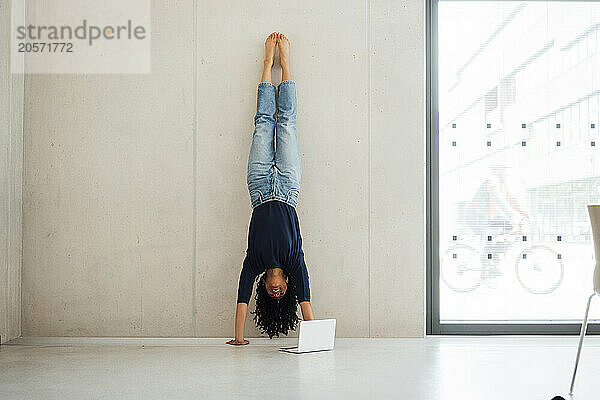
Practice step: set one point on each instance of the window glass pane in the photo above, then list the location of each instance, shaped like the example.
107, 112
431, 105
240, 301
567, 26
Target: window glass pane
519, 159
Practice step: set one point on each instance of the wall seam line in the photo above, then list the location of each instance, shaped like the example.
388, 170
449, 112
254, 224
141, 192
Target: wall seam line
25, 7
6, 179
23, 119
369, 154
194, 164
10, 191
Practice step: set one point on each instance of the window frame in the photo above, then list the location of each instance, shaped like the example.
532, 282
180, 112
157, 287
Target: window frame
433, 324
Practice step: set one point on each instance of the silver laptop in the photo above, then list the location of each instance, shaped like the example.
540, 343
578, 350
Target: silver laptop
316, 335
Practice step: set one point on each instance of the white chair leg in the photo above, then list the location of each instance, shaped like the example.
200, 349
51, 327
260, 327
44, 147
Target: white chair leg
581, 335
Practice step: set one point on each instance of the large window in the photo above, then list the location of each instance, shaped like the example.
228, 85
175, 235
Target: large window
517, 160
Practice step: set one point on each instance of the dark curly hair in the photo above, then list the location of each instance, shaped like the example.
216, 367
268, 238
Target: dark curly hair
275, 316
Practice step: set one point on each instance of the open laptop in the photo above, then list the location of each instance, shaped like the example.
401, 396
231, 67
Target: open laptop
316, 335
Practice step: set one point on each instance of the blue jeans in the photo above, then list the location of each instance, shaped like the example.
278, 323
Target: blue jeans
274, 169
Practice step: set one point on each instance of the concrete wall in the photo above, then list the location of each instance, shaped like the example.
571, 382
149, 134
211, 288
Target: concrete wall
11, 170
136, 209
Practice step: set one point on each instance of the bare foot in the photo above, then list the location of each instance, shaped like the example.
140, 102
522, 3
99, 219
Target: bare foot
284, 50
270, 45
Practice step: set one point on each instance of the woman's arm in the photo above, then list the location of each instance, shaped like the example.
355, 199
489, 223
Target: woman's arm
240, 320
243, 297
307, 311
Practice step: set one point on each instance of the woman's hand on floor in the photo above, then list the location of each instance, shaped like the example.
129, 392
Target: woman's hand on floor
235, 342
307, 311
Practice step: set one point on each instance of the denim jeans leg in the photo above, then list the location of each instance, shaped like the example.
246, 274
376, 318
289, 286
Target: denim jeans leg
261, 159
287, 154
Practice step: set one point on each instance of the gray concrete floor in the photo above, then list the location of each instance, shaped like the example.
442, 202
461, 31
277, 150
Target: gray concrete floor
431, 368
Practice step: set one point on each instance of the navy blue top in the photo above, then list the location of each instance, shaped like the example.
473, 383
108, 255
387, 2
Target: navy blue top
274, 241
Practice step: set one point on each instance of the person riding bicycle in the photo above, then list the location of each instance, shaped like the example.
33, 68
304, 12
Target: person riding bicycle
494, 211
